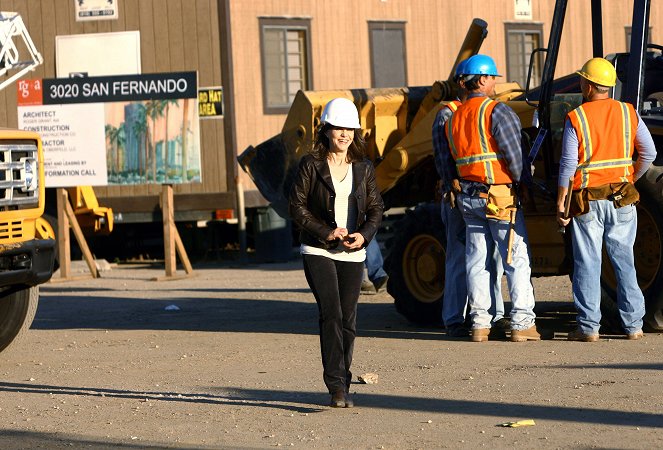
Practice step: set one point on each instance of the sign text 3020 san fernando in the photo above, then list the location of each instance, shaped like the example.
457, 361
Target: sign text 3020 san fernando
122, 88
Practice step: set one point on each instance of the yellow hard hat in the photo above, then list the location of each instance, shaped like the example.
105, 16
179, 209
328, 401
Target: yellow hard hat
599, 71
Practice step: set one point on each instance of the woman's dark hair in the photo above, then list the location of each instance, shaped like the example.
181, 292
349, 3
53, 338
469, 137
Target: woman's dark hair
356, 151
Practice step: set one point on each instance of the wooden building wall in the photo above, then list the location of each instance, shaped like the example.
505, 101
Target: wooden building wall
434, 31
221, 40
175, 35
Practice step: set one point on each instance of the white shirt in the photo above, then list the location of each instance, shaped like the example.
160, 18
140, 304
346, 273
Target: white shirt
345, 216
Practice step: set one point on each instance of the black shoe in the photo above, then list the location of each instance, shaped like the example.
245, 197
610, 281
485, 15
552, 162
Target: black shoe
381, 284
349, 403
504, 323
338, 400
497, 332
457, 331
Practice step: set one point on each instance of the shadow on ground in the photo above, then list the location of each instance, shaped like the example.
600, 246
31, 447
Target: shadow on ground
312, 402
62, 309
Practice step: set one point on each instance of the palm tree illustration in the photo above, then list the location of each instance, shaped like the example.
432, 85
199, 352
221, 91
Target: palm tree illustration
139, 130
165, 134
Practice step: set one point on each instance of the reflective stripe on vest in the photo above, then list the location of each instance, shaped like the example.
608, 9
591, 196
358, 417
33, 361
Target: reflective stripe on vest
453, 105
472, 145
606, 136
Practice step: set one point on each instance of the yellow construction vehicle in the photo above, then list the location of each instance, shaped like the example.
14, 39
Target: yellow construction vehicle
398, 124
25, 259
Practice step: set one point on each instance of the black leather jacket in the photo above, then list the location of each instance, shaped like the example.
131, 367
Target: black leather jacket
312, 202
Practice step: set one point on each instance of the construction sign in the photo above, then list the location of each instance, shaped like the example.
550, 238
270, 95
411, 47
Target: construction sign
210, 103
116, 130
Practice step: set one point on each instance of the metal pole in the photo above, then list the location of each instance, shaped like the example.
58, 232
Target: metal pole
639, 35
597, 29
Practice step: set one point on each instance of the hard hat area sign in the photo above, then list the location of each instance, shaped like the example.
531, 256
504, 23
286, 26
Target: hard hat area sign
210, 102
118, 130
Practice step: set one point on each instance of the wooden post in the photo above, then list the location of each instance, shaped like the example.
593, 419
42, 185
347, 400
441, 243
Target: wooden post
78, 234
169, 229
67, 219
64, 249
172, 242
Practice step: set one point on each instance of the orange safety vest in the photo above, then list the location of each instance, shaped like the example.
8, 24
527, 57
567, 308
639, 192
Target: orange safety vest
606, 140
472, 144
453, 105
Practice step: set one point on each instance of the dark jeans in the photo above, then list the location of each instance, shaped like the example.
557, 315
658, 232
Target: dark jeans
335, 285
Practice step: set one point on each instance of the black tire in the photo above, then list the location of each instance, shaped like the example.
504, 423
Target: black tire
17, 310
648, 251
415, 265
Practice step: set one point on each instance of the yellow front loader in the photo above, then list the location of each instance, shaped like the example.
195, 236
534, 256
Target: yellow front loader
398, 123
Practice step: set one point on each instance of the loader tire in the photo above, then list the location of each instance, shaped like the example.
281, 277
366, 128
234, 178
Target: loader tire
648, 251
17, 310
415, 265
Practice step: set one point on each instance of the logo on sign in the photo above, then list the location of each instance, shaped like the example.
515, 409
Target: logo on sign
30, 92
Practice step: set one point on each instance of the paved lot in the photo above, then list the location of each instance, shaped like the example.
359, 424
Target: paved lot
237, 366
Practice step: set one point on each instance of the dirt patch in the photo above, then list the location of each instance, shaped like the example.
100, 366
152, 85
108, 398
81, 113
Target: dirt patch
237, 365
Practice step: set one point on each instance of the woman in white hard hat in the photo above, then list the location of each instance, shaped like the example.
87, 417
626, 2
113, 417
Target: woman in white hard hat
336, 203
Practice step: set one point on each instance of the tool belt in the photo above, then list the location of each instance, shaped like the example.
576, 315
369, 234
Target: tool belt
500, 201
621, 194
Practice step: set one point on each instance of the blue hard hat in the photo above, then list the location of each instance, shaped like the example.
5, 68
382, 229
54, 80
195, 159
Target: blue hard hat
481, 65
460, 69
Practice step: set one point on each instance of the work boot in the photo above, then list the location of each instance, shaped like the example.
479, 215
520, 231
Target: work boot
480, 334
577, 335
338, 399
457, 330
635, 335
530, 334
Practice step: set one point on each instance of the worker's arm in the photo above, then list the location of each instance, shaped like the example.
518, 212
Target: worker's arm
644, 144
438, 135
447, 164
506, 131
568, 164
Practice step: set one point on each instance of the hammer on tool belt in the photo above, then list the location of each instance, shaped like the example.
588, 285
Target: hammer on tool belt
567, 204
512, 226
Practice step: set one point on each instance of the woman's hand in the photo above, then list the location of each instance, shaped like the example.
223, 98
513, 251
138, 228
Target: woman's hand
338, 233
353, 241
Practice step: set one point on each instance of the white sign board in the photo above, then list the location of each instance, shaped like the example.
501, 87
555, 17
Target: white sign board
523, 9
95, 9
76, 148
115, 130
98, 54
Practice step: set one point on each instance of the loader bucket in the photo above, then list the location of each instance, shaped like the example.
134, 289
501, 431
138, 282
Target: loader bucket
271, 168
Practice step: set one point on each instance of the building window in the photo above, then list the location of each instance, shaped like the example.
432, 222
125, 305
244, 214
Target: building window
628, 37
521, 40
286, 67
388, 62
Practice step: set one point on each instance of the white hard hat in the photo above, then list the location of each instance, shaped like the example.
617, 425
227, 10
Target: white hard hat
341, 112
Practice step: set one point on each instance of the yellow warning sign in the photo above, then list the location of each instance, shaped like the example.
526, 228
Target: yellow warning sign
210, 102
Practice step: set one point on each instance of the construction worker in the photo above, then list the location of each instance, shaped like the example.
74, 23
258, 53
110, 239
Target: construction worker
483, 156
597, 152
454, 304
